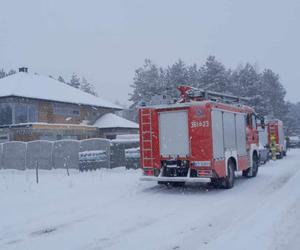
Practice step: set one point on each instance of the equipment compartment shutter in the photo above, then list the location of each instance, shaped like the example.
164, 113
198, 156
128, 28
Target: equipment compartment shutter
241, 134
263, 137
280, 134
217, 134
173, 133
229, 131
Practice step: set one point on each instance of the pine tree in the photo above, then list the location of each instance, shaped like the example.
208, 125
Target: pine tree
246, 82
87, 87
265, 91
176, 75
2, 73
292, 119
61, 79
75, 81
273, 93
214, 76
148, 81
194, 76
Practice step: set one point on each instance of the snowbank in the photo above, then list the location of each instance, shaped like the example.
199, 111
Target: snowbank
112, 209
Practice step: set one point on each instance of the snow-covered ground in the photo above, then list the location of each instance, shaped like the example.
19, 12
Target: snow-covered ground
112, 209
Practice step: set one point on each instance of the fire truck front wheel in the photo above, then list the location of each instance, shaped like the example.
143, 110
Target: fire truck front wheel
228, 181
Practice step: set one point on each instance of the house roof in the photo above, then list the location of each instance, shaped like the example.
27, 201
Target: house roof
113, 121
46, 88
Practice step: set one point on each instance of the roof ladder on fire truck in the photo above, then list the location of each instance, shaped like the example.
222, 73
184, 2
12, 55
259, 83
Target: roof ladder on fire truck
192, 93
147, 142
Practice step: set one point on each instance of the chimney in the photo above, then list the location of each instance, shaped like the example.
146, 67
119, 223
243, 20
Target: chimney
23, 69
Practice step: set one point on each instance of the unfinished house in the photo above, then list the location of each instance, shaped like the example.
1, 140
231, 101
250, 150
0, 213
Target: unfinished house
35, 107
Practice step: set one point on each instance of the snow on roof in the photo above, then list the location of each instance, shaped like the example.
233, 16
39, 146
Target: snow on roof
46, 88
113, 121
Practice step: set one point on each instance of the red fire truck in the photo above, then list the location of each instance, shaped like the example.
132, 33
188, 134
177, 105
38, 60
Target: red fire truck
205, 137
276, 133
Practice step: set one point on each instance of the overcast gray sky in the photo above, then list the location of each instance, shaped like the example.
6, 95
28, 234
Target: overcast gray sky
105, 41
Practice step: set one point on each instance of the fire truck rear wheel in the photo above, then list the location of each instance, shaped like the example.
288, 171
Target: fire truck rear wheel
228, 181
255, 163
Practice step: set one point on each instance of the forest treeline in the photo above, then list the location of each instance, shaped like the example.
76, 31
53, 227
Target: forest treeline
263, 88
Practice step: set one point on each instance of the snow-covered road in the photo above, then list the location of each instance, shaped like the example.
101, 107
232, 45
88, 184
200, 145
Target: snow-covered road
112, 209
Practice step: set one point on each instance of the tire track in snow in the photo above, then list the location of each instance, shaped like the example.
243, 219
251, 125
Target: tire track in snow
234, 217
287, 231
261, 222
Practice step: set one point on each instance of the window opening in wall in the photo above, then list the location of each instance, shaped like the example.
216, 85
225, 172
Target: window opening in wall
32, 113
20, 113
65, 110
6, 114
11, 113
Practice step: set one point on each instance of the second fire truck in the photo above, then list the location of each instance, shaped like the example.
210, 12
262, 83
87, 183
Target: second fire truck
276, 138
205, 137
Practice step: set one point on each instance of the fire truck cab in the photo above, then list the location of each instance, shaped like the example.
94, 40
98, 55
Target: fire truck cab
201, 139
